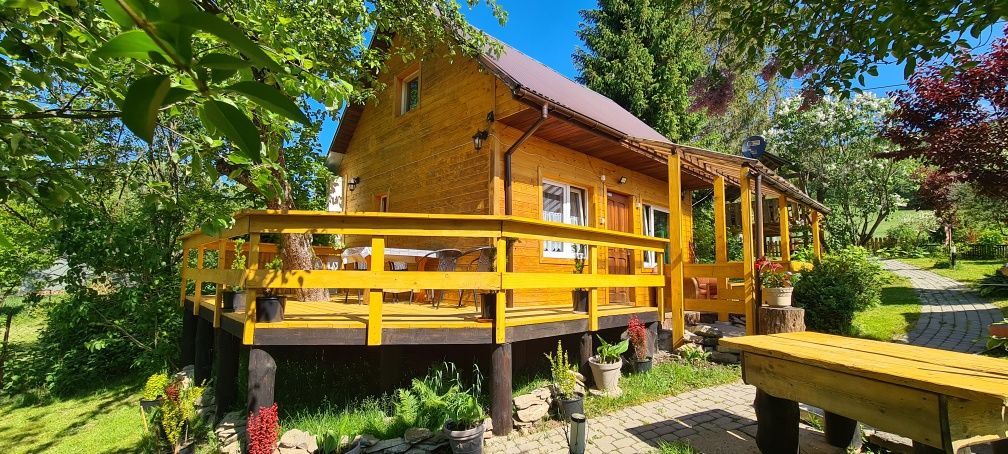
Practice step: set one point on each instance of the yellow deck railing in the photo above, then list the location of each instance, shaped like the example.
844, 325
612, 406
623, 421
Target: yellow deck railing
381, 226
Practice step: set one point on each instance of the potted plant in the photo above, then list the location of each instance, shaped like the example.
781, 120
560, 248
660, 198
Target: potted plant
234, 299
606, 364
178, 415
569, 401
332, 443
464, 427
580, 295
776, 283
153, 392
998, 329
269, 305
638, 336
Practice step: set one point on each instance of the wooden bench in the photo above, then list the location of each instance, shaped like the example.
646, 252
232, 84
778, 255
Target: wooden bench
942, 400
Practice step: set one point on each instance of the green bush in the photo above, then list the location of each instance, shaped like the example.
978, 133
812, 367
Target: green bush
840, 285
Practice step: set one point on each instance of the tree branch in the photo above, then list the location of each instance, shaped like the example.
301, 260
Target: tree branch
84, 114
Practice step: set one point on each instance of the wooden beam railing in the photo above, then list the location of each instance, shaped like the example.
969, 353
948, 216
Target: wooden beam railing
382, 227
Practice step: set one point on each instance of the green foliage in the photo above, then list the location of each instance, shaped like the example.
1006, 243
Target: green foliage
610, 353
835, 44
646, 55
562, 372
676, 447
27, 252
239, 259
441, 397
155, 386
833, 147
693, 354
178, 412
840, 285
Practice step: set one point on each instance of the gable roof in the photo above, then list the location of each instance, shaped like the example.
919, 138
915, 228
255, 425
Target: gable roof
523, 73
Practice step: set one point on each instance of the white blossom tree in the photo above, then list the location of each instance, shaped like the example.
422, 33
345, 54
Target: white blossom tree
832, 148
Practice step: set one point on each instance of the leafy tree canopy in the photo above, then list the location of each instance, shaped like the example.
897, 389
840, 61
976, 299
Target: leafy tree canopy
833, 150
648, 56
832, 43
958, 124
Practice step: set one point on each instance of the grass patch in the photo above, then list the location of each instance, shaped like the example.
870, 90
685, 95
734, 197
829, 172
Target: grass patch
370, 416
666, 379
969, 272
676, 447
896, 316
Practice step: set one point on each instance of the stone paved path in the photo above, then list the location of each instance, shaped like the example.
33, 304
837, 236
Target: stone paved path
952, 317
721, 419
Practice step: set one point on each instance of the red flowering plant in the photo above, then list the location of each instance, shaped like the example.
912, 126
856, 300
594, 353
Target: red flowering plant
772, 274
262, 429
638, 338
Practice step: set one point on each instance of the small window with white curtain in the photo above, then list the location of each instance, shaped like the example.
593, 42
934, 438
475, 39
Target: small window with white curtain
565, 204
655, 223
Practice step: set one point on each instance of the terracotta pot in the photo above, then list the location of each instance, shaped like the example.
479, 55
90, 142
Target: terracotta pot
777, 296
580, 298
998, 329
468, 441
606, 375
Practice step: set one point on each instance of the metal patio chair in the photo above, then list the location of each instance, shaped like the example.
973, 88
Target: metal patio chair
447, 260
483, 262
397, 266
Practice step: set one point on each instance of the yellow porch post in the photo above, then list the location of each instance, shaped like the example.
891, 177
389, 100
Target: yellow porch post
720, 228
687, 227
500, 264
816, 243
198, 298
218, 300
593, 292
374, 322
251, 265
747, 251
185, 280
674, 275
785, 229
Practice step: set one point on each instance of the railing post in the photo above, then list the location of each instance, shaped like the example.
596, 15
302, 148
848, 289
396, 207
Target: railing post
185, 281
816, 243
218, 301
720, 232
374, 325
251, 265
593, 291
674, 281
747, 251
785, 229
500, 264
198, 298
664, 289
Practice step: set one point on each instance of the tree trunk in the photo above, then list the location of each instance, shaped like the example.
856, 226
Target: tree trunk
296, 248
775, 320
3, 353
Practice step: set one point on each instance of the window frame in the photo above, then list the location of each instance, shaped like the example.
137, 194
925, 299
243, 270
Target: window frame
404, 83
650, 258
567, 249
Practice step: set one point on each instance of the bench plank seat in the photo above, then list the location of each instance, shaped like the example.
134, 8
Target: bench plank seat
943, 399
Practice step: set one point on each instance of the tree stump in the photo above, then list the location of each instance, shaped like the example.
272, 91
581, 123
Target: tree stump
776, 320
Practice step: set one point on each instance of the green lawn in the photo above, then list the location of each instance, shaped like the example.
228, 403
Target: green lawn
105, 421
895, 317
666, 379
969, 272
900, 217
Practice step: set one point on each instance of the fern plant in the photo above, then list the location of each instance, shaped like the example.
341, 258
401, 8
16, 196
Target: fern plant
440, 398
564, 378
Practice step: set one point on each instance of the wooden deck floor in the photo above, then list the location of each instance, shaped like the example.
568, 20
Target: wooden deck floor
448, 321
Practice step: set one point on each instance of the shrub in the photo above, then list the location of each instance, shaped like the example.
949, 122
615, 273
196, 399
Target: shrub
262, 428
155, 386
638, 335
562, 372
839, 285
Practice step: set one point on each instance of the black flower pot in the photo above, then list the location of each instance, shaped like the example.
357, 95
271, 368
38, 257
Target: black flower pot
567, 406
148, 405
641, 366
270, 308
488, 306
580, 301
228, 300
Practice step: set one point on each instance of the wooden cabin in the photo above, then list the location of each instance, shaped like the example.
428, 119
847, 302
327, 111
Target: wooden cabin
502, 153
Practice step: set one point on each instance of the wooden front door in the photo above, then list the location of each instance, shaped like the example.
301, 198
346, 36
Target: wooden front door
618, 218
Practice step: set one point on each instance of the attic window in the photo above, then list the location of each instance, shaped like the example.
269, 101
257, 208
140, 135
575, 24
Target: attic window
410, 92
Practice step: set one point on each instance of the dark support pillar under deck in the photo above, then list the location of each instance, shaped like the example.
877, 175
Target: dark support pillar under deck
776, 424
500, 391
226, 383
842, 432
652, 329
188, 336
261, 378
585, 352
204, 346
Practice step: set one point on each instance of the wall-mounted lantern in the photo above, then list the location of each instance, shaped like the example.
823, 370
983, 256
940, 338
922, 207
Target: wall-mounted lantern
482, 135
352, 184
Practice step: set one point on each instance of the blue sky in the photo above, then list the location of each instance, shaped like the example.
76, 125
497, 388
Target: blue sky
547, 31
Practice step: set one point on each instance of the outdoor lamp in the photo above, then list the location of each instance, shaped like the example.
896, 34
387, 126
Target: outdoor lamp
479, 137
622, 180
352, 184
